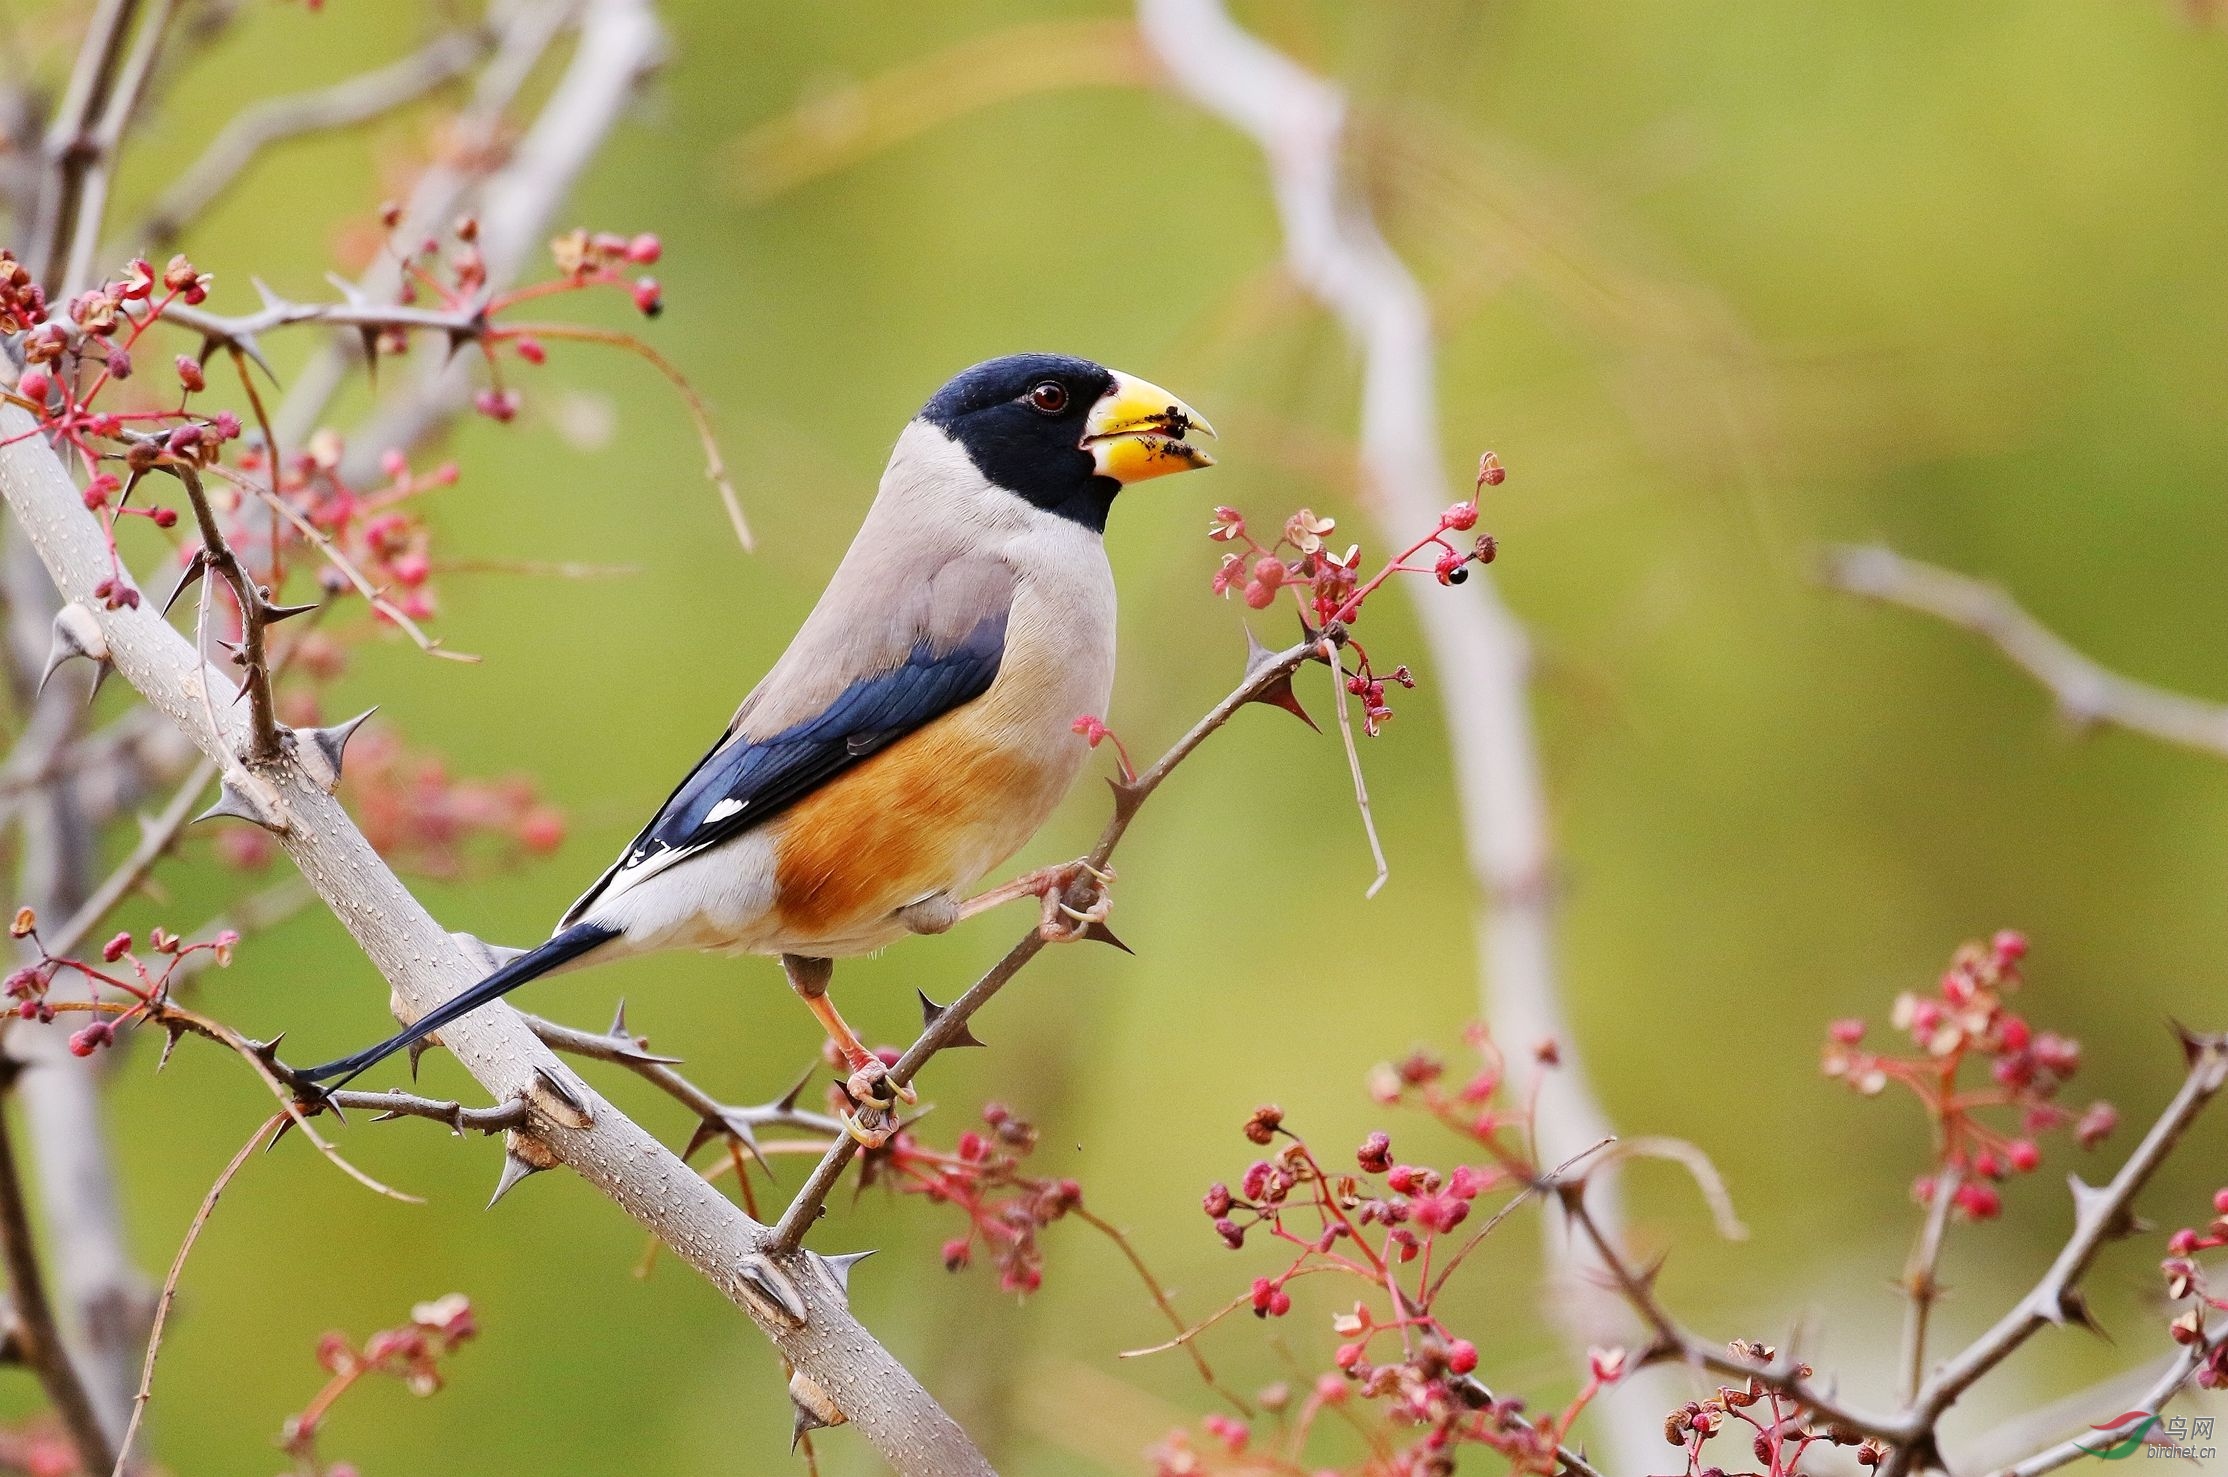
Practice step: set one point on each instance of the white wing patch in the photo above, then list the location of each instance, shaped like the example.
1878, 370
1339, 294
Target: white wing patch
723, 810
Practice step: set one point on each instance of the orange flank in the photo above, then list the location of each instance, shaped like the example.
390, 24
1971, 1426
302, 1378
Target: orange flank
928, 814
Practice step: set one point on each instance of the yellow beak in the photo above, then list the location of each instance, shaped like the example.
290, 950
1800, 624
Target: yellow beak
1139, 431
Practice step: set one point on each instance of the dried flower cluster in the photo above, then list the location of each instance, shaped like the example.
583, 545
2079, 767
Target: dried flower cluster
1778, 1431
2194, 1299
1963, 1031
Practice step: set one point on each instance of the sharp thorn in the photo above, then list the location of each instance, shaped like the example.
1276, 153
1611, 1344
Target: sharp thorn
196, 566
1256, 653
1279, 694
1097, 931
523, 1155
645, 1058
234, 801
706, 1131
370, 338
77, 633
931, 1013
246, 343
787, 1102
284, 1129
514, 1170
100, 680
1127, 797
814, 1408
273, 614
619, 1029
349, 292
417, 1049
272, 302
320, 751
458, 338
839, 1267
172, 1033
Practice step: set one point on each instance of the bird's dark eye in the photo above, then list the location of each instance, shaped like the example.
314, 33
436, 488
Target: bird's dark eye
1051, 397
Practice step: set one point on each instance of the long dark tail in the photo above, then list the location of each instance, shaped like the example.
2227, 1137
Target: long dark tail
534, 963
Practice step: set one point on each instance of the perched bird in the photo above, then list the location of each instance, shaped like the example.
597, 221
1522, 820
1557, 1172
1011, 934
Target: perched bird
920, 727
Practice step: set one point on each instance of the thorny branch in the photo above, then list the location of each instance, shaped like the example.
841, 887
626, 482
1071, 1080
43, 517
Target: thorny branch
2102, 1214
1266, 676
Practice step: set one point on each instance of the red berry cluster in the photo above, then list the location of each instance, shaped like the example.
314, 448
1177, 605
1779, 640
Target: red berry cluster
1780, 1431
1396, 1227
1965, 1022
146, 983
2186, 1285
981, 1176
1327, 587
411, 1354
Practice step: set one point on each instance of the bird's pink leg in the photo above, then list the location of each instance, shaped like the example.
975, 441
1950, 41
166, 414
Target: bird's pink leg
1061, 921
869, 1083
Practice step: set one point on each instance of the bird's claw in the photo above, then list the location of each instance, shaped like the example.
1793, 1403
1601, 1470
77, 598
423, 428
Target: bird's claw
877, 1097
1064, 922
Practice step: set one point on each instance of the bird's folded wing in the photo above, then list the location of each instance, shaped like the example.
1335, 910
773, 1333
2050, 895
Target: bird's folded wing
868, 667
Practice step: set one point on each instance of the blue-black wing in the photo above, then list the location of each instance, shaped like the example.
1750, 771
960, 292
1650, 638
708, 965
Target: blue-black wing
743, 782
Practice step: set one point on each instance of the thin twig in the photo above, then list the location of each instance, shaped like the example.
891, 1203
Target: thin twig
255, 612
2085, 691
1161, 1300
169, 1294
1361, 785
1672, 1340
1921, 1280
624, 1049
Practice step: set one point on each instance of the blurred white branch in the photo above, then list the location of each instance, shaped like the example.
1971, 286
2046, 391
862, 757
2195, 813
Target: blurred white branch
2085, 691
1480, 654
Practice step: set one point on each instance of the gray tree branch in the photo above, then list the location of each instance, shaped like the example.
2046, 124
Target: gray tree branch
794, 1298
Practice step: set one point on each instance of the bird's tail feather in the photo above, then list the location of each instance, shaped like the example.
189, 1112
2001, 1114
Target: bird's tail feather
561, 949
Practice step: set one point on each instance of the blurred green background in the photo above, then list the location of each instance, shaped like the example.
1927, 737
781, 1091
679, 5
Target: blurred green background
1717, 282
